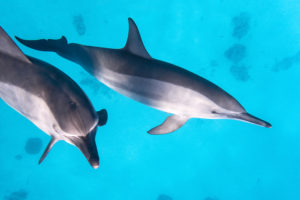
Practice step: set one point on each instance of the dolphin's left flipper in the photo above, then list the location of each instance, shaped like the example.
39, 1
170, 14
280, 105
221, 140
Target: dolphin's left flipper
171, 124
48, 148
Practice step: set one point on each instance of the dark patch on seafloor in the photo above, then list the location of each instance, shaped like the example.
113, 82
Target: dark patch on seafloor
18, 157
164, 197
33, 145
240, 72
236, 53
287, 62
79, 24
17, 195
213, 66
241, 25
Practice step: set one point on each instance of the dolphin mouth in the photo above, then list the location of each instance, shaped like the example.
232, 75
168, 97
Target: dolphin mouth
251, 119
87, 145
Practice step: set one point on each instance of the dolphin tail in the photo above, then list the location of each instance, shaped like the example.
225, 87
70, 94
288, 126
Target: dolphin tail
171, 124
46, 45
87, 145
251, 119
73, 52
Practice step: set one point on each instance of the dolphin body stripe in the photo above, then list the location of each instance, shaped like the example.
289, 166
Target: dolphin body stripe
153, 69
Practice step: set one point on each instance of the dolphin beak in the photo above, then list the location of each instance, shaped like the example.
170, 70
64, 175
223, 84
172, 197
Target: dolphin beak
251, 119
87, 146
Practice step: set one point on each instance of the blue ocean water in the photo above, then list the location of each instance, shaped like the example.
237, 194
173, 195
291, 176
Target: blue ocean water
249, 48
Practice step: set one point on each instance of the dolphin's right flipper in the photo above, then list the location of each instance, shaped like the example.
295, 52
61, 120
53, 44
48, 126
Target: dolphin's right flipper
8, 47
48, 148
171, 124
102, 116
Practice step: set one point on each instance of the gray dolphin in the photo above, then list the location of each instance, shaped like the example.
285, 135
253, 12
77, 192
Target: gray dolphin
134, 73
49, 99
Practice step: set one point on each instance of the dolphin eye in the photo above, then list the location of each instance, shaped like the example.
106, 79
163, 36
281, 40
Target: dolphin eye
72, 105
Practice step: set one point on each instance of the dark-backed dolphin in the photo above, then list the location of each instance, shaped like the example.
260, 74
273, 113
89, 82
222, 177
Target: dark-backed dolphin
134, 73
49, 99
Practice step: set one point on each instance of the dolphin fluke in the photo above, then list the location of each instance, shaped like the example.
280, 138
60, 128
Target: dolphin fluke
251, 119
45, 45
87, 145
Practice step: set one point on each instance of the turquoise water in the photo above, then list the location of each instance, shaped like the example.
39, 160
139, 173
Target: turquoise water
252, 50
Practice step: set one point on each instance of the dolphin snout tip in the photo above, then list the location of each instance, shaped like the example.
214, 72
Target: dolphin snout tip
268, 125
94, 164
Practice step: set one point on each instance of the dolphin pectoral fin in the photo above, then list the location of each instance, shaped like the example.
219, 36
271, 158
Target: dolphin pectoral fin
45, 45
87, 146
102, 115
8, 46
171, 124
48, 148
134, 42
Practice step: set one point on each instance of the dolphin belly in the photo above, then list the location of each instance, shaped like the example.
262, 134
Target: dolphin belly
29, 105
158, 94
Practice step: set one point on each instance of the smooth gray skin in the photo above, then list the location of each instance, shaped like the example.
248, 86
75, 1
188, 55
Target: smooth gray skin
48, 98
164, 86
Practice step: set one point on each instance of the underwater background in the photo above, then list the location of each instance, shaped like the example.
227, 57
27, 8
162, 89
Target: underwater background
249, 48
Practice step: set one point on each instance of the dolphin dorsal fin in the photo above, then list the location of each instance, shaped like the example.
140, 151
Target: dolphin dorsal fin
48, 148
134, 42
8, 46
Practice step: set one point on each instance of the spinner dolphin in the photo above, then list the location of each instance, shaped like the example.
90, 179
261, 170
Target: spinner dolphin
49, 99
132, 72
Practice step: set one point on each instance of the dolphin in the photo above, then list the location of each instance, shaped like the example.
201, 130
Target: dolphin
132, 72
49, 99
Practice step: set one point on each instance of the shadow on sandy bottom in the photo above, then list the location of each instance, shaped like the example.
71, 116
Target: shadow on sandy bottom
240, 25
287, 63
79, 25
17, 195
33, 145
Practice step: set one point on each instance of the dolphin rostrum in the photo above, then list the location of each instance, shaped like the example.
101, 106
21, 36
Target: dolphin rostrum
49, 99
132, 72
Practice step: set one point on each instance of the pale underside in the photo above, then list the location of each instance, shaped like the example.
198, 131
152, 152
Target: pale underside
161, 95
32, 107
